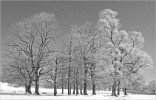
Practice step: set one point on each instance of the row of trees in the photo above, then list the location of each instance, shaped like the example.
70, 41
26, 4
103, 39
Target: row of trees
94, 56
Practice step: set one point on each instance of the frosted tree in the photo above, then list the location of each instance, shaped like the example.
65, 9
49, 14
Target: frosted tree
108, 27
85, 41
17, 69
92, 61
54, 67
35, 37
135, 67
69, 52
83, 37
78, 71
119, 47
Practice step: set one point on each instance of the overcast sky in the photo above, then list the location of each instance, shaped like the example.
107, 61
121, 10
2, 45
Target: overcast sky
133, 15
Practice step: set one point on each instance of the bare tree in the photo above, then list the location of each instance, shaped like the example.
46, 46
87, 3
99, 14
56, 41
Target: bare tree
35, 34
18, 69
83, 35
69, 52
54, 69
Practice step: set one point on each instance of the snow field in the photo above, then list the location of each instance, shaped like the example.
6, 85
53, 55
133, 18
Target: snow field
17, 93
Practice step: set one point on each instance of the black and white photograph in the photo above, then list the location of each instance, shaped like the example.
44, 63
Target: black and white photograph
77, 50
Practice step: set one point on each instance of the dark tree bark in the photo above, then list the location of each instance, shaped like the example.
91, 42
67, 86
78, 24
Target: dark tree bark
94, 92
114, 89
62, 88
28, 87
125, 91
92, 68
55, 78
77, 89
37, 86
62, 80
74, 87
55, 87
69, 84
118, 93
69, 75
77, 84
85, 77
74, 80
81, 87
85, 86
36, 82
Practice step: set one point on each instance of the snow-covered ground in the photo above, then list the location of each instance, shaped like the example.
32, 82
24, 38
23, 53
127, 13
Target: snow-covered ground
10, 93
79, 97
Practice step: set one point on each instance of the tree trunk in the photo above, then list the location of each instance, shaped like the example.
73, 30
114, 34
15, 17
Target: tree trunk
29, 89
26, 88
92, 68
62, 79
62, 88
118, 88
29, 86
55, 79
74, 87
114, 89
77, 89
74, 80
77, 84
69, 70
69, 77
36, 82
69, 86
37, 86
85, 78
81, 87
55, 88
125, 91
94, 92
85, 86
